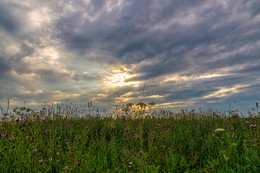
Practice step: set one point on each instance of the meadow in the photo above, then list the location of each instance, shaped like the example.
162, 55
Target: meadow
128, 141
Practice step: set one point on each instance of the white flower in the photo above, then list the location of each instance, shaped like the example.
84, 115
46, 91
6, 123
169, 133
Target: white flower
219, 130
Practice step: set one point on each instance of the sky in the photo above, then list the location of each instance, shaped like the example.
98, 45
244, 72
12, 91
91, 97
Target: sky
178, 54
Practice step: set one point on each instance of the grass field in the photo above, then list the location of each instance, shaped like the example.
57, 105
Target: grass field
188, 142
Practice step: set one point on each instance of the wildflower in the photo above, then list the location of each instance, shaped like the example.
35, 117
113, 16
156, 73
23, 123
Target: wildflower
78, 163
232, 128
225, 157
219, 130
140, 152
40, 161
2, 135
130, 163
102, 130
153, 133
43, 164
17, 169
155, 147
12, 139
26, 136
169, 148
252, 125
35, 150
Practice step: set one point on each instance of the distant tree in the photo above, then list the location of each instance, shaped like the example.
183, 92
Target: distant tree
151, 104
141, 105
129, 105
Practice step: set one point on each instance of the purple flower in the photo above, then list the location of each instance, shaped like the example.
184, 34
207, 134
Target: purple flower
35, 150
140, 152
252, 125
78, 163
17, 169
2, 135
233, 128
102, 130
169, 148
12, 139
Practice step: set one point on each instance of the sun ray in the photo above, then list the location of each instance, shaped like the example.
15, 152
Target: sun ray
119, 79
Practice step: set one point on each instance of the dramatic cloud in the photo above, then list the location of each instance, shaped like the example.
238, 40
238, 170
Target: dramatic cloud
186, 53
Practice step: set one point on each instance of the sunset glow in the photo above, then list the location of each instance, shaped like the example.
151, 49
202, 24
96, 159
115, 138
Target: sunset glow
118, 79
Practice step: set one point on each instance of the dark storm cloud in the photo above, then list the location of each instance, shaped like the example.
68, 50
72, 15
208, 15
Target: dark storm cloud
7, 20
52, 75
155, 39
4, 68
130, 36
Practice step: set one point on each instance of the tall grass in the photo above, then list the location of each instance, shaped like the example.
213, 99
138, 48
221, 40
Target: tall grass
59, 140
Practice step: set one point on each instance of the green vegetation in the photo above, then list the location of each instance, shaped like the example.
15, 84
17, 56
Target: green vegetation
45, 141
